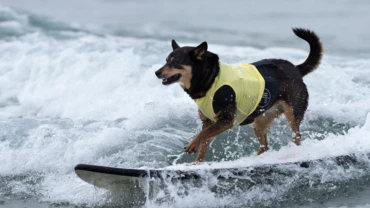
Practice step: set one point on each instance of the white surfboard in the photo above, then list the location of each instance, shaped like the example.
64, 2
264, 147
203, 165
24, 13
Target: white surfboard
113, 178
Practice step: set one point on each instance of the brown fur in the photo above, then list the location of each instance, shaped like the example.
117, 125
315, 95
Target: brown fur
186, 74
186, 77
263, 122
225, 121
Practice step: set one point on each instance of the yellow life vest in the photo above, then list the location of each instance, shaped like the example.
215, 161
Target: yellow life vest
247, 83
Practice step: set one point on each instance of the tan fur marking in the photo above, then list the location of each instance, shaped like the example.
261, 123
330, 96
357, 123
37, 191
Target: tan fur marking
210, 130
186, 75
204, 147
205, 137
199, 52
294, 124
263, 123
168, 71
167, 58
172, 58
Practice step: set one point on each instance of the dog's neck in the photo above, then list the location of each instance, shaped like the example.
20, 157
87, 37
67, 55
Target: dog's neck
203, 76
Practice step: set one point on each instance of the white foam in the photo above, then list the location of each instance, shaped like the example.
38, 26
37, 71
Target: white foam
356, 140
89, 78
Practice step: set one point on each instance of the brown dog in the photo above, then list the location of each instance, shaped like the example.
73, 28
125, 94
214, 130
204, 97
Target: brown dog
229, 95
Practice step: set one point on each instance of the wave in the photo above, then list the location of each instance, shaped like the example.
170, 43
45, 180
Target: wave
95, 77
15, 23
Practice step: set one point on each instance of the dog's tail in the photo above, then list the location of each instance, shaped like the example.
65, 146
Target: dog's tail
314, 58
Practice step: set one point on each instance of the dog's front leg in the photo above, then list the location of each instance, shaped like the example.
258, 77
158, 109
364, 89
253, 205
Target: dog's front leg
204, 147
225, 120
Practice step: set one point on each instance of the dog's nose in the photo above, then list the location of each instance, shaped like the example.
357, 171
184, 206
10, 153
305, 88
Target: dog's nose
158, 73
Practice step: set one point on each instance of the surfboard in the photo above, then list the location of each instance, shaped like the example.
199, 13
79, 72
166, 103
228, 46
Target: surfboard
112, 178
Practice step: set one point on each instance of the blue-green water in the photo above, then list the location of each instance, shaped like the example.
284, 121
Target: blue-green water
77, 85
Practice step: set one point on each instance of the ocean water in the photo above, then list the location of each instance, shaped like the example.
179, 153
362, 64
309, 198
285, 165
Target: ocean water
77, 85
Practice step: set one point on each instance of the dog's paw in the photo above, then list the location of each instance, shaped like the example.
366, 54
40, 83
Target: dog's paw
262, 150
199, 159
193, 146
297, 139
195, 163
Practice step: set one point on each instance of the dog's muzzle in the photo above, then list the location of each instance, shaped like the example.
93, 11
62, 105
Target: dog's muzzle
167, 80
158, 73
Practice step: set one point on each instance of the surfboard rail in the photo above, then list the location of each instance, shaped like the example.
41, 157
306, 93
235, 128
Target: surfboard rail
106, 177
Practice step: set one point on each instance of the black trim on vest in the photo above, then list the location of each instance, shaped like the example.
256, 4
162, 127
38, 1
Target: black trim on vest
223, 97
270, 94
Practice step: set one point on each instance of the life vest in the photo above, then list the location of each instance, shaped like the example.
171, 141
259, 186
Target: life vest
247, 83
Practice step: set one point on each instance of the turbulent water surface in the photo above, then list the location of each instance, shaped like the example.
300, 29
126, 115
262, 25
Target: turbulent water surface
77, 85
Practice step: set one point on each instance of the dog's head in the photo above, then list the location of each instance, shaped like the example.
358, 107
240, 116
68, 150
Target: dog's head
180, 64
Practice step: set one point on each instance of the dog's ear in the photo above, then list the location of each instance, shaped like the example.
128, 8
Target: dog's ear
175, 45
199, 50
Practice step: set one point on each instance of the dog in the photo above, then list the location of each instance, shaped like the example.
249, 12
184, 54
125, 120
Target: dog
240, 94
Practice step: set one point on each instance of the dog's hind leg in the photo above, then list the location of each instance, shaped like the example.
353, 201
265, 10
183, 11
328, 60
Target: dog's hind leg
294, 111
262, 124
